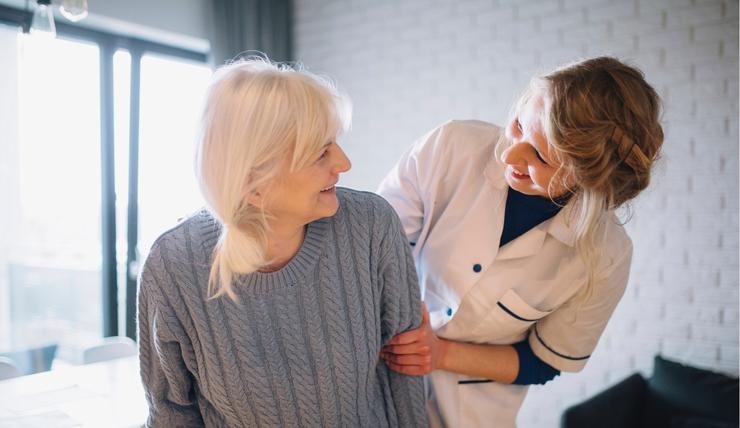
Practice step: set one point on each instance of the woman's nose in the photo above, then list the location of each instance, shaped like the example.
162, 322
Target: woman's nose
514, 154
343, 163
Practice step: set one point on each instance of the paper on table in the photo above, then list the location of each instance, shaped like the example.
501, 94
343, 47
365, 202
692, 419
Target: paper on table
34, 402
53, 418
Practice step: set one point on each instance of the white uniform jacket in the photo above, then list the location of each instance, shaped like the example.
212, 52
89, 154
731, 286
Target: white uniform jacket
450, 194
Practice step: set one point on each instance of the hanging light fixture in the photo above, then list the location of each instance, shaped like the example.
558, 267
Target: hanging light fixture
74, 10
42, 22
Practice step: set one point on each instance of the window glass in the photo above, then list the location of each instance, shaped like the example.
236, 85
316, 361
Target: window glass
172, 93
50, 180
51, 256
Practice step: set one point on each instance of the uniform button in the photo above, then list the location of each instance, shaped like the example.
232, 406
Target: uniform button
476, 268
449, 312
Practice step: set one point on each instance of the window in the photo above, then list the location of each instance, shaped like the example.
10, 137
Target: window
52, 251
167, 186
171, 94
71, 223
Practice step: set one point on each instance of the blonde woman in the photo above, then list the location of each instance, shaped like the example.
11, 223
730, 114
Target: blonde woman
270, 307
520, 256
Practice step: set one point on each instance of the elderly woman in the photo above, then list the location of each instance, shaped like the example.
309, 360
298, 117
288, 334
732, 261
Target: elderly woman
270, 307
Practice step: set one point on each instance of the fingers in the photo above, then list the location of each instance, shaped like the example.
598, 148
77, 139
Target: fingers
424, 314
412, 370
416, 334
407, 370
408, 360
407, 337
412, 348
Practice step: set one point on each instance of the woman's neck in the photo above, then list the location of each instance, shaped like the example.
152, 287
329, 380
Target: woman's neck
283, 243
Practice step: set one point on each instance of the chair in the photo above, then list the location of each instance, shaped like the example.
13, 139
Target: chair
8, 369
110, 349
33, 360
675, 396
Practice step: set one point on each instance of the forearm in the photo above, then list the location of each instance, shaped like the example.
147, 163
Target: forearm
499, 363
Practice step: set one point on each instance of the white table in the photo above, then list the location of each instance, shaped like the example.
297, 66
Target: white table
107, 394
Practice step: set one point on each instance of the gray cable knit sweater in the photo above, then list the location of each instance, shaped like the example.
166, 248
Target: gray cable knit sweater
301, 346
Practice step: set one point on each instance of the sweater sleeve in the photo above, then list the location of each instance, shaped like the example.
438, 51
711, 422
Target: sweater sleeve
400, 311
168, 385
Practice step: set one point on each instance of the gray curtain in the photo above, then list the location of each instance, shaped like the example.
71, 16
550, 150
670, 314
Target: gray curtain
252, 25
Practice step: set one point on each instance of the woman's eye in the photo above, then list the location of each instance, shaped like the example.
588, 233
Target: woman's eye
519, 125
536, 152
323, 155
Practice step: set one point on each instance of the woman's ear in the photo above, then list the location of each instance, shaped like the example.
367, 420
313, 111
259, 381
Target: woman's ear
255, 199
253, 192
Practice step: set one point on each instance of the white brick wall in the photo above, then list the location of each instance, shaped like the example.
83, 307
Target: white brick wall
411, 64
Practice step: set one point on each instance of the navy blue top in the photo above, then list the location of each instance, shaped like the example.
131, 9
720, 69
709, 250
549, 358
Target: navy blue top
524, 212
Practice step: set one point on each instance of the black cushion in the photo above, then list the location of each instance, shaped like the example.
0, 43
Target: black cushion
679, 395
700, 422
617, 406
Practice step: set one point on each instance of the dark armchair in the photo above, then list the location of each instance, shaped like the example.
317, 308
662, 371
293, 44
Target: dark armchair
674, 396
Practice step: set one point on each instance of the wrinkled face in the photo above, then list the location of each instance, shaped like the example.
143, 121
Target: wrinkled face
530, 161
301, 197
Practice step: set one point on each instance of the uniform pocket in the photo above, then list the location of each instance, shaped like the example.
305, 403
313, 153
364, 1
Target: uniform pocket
508, 321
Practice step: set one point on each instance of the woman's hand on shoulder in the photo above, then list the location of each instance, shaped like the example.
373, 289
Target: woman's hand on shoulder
415, 352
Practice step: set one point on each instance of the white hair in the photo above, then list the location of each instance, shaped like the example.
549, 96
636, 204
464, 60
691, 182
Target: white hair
257, 115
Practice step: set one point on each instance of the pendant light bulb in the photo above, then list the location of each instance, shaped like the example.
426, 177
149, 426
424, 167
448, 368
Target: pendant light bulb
74, 10
42, 22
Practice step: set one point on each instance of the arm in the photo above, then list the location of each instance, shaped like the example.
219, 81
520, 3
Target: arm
399, 306
167, 382
566, 338
419, 352
563, 340
532, 370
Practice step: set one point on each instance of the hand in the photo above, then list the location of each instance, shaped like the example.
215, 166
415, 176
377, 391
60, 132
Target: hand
415, 352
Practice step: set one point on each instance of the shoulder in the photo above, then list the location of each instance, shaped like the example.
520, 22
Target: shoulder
198, 226
367, 205
456, 142
463, 133
374, 224
368, 211
198, 231
617, 242
470, 128
615, 252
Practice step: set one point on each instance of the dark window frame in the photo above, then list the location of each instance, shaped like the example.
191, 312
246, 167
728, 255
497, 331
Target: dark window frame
108, 44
